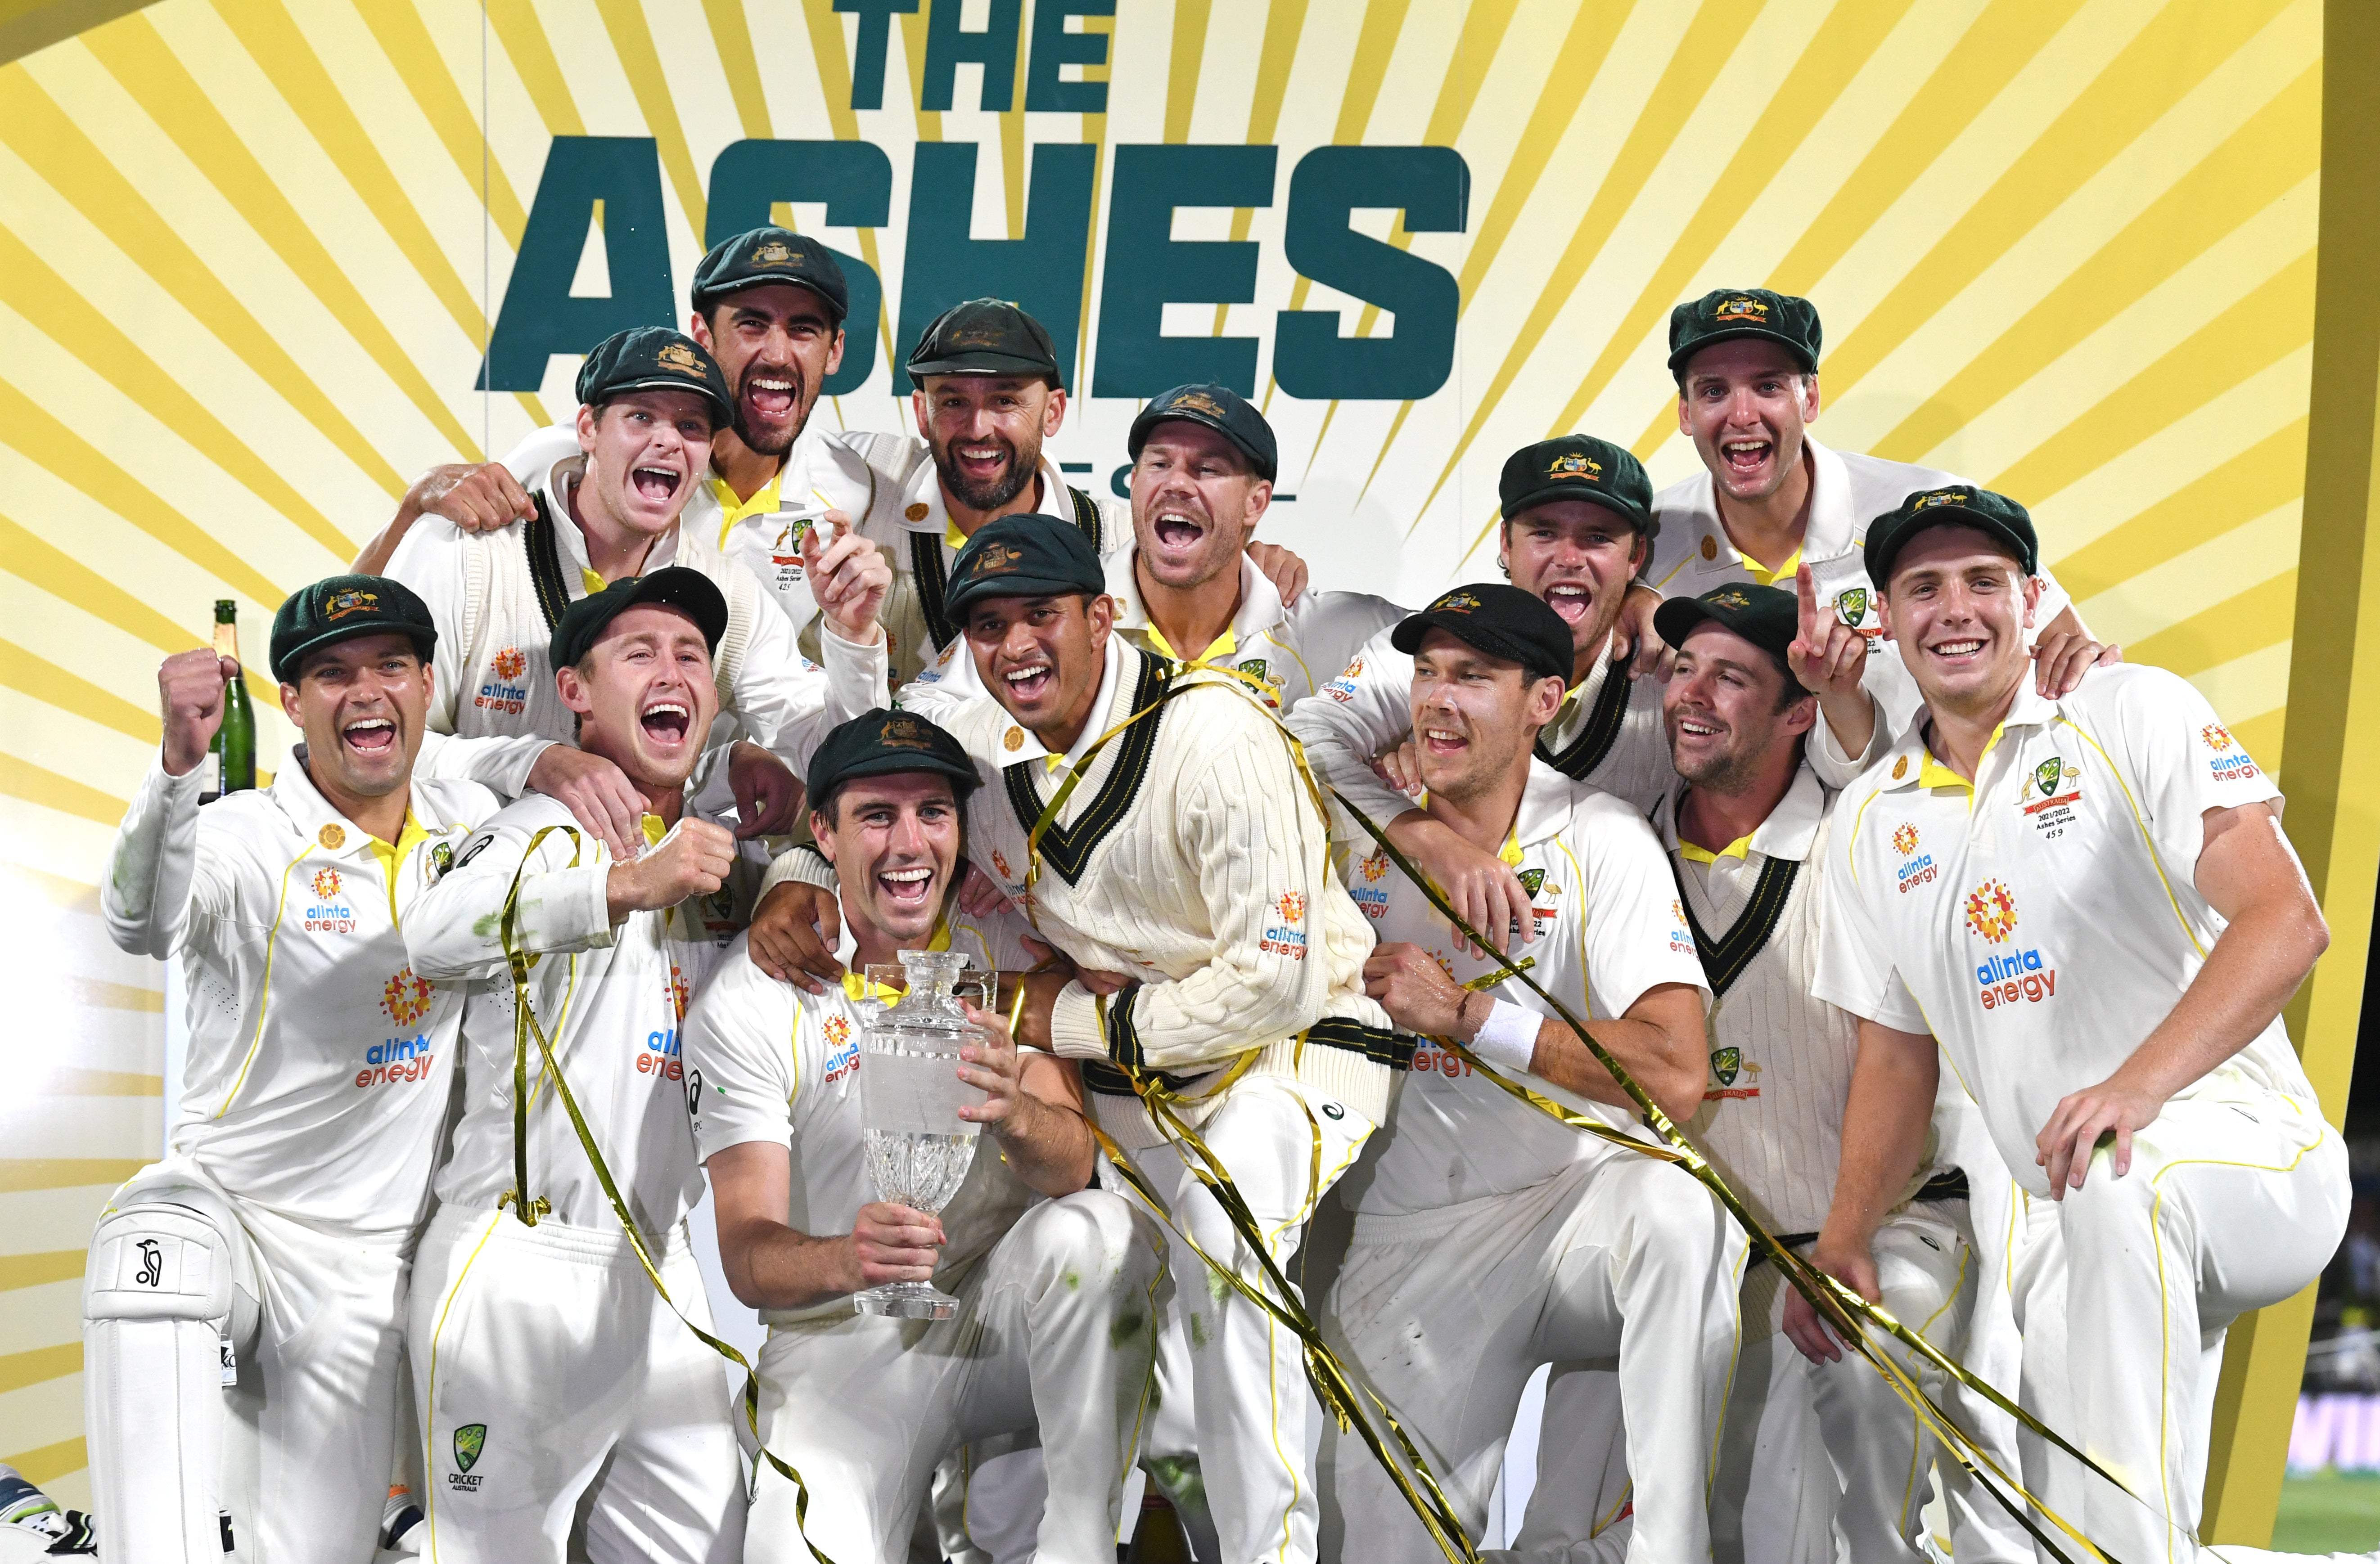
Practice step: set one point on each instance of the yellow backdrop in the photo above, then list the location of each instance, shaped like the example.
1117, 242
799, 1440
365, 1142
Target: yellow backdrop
251, 251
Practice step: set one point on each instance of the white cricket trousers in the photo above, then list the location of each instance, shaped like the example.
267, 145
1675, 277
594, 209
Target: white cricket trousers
297, 1454
2123, 1291
552, 1379
1055, 1326
1447, 1313
1254, 1412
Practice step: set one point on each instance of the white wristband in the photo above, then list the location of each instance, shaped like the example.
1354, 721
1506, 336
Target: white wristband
1508, 1038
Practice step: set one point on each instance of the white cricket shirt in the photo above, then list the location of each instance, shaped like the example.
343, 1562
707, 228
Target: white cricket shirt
1609, 929
2042, 922
319, 1063
768, 1062
611, 1001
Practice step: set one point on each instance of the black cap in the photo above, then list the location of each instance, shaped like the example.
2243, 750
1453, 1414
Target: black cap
675, 586
1960, 504
1220, 408
1023, 556
1499, 620
342, 608
654, 358
1579, 466
880, 743
1723, 313
986, 336
759, 257
1770, 617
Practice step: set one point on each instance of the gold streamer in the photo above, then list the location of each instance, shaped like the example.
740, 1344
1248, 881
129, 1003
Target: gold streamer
1825, 1292
526, 1025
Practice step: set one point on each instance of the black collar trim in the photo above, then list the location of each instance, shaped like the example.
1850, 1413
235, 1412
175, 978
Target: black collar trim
545, 575
1600, 730
1068, 849
1725, 958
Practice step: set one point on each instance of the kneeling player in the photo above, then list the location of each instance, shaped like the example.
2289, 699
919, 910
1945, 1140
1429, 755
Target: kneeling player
1056, 1282
1490, 1237
556, 1389
246, 1295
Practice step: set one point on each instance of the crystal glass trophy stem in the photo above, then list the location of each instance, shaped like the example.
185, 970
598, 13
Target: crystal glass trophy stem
918, 1149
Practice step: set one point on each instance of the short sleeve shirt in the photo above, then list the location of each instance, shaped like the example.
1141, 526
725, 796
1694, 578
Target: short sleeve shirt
2041, 923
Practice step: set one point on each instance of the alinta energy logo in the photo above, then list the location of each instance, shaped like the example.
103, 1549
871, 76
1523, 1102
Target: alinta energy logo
842, 1052
2229, 762
1916, 869
2003, 978
326, 883
1371, 895
403, 998
506, 691
1284, 938
406, 998
328, 911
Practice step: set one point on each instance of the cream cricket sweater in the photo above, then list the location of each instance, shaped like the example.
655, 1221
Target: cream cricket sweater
1190, 858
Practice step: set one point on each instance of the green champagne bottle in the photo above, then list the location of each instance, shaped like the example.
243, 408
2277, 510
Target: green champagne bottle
233, 746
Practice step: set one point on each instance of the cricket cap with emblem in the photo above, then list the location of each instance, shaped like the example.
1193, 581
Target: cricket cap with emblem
881, 743
760, 257
1770, 617
690, 591
986, 336
1023, 556
653, 358
1220, 408
1725, 314
341, 608
1579, 466
1956, 505
1500, 620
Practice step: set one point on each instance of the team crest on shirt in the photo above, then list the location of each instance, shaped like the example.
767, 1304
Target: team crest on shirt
785, 553
441, 858
1728, 1065
2048, 796
505, 690
2229, 762
1343, 688
1531, 879
1851, 606
469, 1440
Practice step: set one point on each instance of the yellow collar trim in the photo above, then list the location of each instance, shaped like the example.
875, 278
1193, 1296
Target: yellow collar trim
1933, 773
953, 536
857, 987
654, 828
1224, 644
592, 580
733, 510
1511, 851
1766, 576
1739, 848
391, 854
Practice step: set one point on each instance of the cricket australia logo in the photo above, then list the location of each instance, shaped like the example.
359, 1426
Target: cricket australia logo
2054, 810
469, 1440
1851, 606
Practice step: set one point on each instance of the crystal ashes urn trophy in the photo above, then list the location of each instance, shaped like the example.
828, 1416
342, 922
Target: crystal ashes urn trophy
918, 1148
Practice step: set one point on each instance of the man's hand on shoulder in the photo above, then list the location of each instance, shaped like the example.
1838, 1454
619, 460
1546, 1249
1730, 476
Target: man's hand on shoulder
1634, 633
2064, 652
596, 791
794, 931
767, 792
477, 497
1283, 569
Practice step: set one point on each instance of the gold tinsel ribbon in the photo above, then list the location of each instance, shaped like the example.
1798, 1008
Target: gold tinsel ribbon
1830, 1296
525, 1026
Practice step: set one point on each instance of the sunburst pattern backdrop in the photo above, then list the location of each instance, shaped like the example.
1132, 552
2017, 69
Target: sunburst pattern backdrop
250, 252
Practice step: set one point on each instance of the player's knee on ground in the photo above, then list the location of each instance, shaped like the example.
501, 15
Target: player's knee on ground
161, 1290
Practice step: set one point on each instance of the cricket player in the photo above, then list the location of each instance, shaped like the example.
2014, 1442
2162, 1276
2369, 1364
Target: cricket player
1203, 461
551, 1378
1577, 526
1057, 1282
1187, 863
1490, 1237
1772, 501
2088, 906
244, 1304
1815, 1455
649, 402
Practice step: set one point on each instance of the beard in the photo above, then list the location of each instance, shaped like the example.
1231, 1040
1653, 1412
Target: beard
1023, 468
767, 446
1727, 775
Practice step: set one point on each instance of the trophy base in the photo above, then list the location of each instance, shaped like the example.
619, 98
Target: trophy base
905, 1300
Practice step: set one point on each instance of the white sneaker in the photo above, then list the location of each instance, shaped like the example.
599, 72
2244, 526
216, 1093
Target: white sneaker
32, 1526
